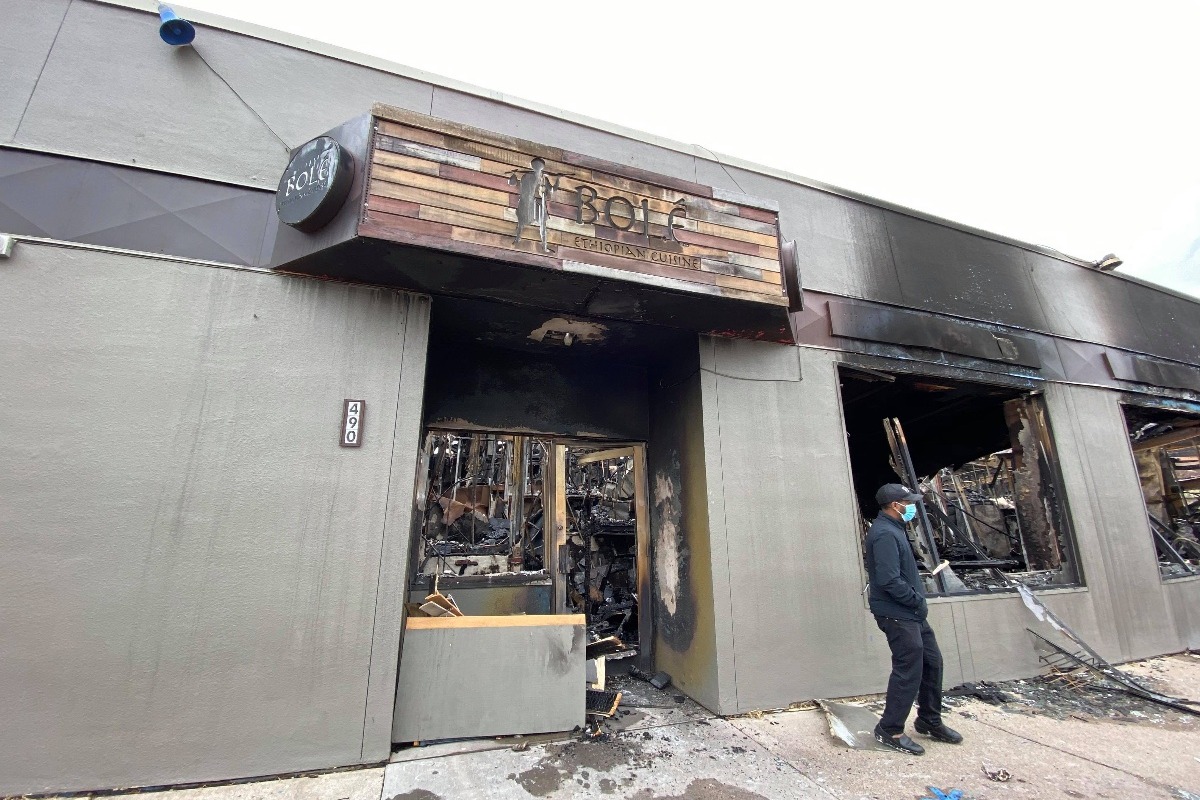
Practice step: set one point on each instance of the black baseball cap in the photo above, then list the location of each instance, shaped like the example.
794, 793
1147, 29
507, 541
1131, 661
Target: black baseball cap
895, 492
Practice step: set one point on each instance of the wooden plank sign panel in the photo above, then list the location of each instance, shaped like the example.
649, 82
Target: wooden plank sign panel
434, 183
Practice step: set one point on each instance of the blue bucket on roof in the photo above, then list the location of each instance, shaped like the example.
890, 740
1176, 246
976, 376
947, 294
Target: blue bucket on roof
173, 30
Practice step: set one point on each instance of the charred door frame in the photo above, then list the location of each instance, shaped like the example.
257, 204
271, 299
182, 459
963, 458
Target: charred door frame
557, 510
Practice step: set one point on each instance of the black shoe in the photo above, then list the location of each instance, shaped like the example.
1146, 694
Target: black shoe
901, 743
939, 732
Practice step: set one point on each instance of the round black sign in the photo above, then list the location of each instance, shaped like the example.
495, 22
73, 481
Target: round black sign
314, 185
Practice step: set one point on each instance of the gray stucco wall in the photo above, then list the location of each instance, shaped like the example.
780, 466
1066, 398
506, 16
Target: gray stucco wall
781, 511
785, 537
197, 582
111, 90
1128, 597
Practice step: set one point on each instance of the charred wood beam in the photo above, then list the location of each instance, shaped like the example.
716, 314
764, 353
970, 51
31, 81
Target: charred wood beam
1039, 538
1167, 439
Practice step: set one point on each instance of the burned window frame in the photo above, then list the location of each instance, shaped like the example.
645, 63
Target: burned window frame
517, 515
559, 508
1168, 543
1030, 429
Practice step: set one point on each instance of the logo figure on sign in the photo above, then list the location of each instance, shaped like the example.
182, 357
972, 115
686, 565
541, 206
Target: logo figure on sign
533, 206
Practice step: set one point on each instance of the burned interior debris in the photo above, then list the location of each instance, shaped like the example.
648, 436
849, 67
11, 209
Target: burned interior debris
983, 457
507, 509
601, 564
483, 509
1166, 450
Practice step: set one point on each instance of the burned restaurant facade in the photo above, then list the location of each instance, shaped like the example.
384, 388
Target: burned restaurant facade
347, 407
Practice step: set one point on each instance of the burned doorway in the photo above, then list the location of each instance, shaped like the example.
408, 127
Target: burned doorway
536, 423
603, 540
1166, 450
984, 458
520, 524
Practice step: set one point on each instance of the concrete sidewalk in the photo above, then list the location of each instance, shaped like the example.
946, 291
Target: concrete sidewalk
666, 747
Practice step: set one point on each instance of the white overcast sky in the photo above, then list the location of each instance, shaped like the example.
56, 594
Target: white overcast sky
1072, 125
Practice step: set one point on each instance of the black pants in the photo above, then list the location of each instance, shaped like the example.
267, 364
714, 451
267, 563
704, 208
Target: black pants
916, 674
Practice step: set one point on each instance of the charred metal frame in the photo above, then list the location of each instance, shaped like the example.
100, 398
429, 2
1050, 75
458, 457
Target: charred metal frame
1032, 451
1171, 544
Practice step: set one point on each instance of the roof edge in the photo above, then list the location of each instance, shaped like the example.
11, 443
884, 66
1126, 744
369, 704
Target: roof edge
339, 53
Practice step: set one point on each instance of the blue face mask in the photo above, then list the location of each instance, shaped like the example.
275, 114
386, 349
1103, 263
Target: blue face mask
910, 511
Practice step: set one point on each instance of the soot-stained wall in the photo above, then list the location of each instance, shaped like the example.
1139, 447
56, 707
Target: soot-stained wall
499, 389
685, 639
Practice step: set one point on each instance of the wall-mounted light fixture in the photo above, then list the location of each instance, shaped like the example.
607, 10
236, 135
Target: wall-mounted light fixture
173, 30
1108, 263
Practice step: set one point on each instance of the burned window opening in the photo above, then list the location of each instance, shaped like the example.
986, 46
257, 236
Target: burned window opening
483, 511
497, 509
984, 459
1166, 451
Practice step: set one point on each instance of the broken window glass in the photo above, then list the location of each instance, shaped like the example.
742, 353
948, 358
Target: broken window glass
1166, 449
984, 459
483, 511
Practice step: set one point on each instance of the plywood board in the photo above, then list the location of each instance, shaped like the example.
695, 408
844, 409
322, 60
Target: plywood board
483, 194
490, 676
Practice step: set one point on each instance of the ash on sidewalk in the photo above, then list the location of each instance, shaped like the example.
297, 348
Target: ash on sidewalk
659, 745
1050, 742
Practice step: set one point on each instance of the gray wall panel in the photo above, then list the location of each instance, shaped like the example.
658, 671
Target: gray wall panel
719, 535
1101, 483
191, 562
842, 246
502, 118
995, 631
172, 112
853, 249
25, 39
1172, 325
475, 680
799, 622
397, 535
1184, 597
1064, 290
74, 200
175, 113
302, 94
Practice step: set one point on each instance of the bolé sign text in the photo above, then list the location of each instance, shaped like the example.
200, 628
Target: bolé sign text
438, 184
314, 185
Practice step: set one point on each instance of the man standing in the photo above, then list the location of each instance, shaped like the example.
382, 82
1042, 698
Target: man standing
897, 600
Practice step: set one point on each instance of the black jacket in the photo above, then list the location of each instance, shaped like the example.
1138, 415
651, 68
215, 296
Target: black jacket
896, 587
